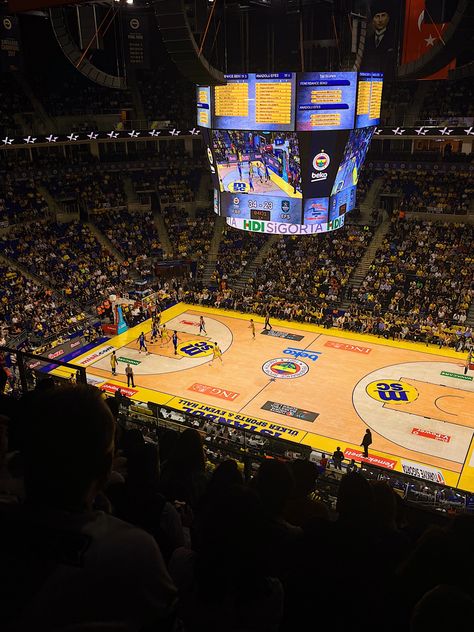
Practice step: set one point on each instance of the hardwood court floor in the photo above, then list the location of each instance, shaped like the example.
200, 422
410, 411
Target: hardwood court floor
415, 399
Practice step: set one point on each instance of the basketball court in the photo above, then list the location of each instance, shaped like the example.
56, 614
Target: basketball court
320, 387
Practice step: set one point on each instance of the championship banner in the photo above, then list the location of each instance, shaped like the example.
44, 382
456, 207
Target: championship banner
422, 32
137, 38
10, 49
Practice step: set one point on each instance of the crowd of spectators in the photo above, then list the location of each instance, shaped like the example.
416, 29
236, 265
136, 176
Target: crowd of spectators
421, 276
397, 96
66, 256
26, 306
133, 234
166, 96
237, 249
190, 236
178, 181
140, 532
427, 189
93, 187
13, 101
448, 101
303, 275
20, 200
74, 95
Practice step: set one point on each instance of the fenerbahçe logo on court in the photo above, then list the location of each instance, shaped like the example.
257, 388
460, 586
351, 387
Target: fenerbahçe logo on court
195, 349
392, 391
285, 369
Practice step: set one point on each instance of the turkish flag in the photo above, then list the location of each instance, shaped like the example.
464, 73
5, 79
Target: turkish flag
421, 35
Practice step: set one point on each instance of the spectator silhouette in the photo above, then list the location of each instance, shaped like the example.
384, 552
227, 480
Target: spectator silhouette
301, 510
65, 563
183, 477
138, 500
226, 584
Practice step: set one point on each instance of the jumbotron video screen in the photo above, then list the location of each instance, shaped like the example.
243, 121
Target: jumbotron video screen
285, 150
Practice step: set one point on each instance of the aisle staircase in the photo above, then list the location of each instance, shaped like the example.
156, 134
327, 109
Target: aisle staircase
370, 201
15, 265
130, 193
361, 270
105, 242
470, 316
250, 271
210, 264
413, 112
136, 96
163, 234
46, 124
202, 194
54, 208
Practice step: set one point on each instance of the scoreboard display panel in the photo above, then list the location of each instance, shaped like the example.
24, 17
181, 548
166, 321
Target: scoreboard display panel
204, 112
270, 208
369, 99
325, 100
285, 150
252, 101
354, 155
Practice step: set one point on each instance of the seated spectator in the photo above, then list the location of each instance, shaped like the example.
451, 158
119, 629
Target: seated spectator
66, 563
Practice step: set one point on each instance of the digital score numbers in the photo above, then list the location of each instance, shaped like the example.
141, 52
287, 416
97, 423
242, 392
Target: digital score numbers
256, 102
286, 101
369, 99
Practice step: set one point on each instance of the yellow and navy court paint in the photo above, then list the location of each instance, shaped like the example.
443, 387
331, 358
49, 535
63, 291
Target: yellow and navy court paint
320, 387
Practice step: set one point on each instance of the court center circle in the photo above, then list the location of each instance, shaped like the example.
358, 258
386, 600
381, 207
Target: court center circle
284, 369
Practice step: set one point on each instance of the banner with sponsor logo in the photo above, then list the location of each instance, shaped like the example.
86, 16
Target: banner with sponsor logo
236, 420
273, 333
290, 411
425, 472
96, 355
59, 351
214, 391
344, 346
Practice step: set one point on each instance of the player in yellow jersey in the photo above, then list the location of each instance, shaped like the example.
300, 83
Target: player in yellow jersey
164, 335
216, 352
252, 327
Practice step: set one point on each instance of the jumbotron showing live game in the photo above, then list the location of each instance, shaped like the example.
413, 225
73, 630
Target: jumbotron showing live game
285, 149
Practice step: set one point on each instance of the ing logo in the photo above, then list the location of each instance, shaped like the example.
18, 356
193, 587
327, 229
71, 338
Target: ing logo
392, 391
195, 349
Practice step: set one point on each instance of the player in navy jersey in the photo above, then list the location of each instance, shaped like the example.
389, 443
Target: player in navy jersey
142, 343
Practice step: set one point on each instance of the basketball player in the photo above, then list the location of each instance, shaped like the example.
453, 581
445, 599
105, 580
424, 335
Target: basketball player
216, 352
142, 344
251, 182
259, 172
113, 363
267, 173
267, 321
164, 335
239, 167
202, 325
252, 327
469, 362
175, 339
154, 332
